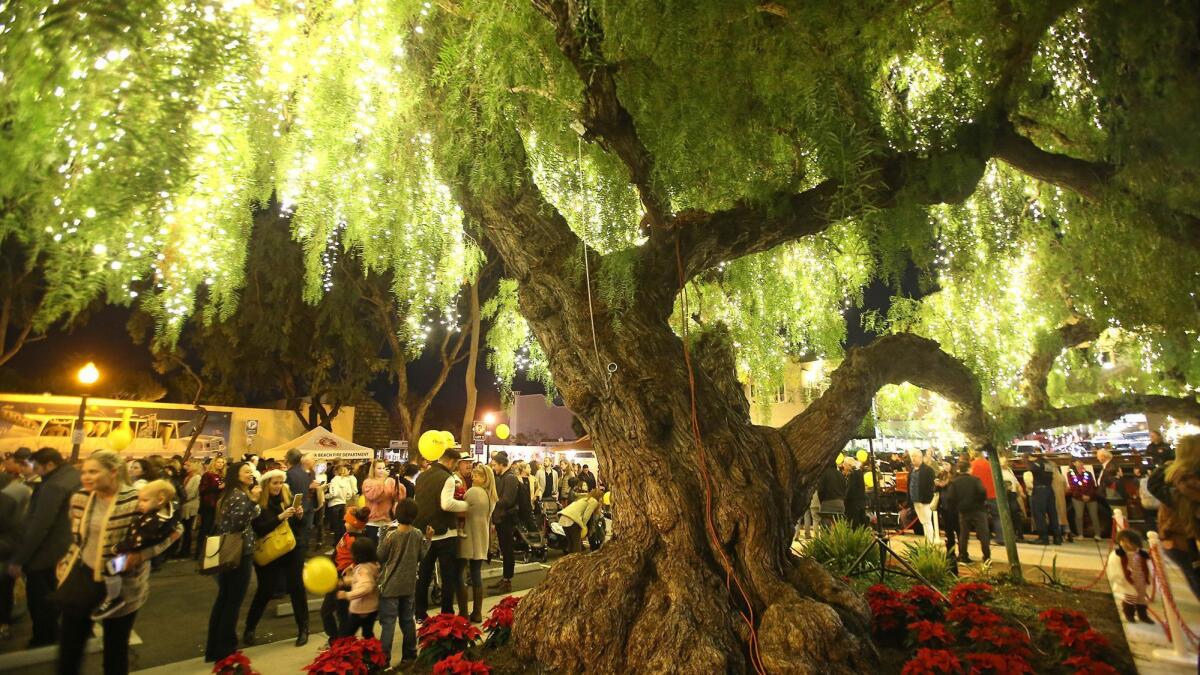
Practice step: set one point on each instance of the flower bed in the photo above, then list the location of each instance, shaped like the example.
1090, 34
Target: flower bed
965, 633
350, 656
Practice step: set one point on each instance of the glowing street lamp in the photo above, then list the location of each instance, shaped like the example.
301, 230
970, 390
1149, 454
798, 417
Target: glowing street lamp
482, 432
87, 376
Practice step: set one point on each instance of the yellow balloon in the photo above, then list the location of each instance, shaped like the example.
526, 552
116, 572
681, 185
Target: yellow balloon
868, 479
122, 436
431, 444
320, 575
861, 455
362, 501
502, 431
840, 458
608, 499
448, 439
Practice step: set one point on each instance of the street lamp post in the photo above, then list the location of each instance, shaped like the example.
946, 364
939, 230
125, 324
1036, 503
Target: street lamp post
482, 431
87, 376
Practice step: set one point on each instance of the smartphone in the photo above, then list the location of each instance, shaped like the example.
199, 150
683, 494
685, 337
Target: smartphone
297, 501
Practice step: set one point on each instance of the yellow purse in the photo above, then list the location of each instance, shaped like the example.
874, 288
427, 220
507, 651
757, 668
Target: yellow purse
276, 544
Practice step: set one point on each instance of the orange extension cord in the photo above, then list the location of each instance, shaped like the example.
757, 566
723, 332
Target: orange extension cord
730, 574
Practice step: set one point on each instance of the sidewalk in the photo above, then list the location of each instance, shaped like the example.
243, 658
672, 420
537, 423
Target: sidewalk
283, 656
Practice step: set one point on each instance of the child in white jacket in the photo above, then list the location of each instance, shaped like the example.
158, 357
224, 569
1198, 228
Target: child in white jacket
362, 579
1129, 573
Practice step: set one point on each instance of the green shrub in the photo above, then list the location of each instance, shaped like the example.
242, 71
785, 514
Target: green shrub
930, 561
839, 545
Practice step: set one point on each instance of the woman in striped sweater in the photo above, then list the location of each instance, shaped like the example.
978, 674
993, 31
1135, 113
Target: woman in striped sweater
100, 515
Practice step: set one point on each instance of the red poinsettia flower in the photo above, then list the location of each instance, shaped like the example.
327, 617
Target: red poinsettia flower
998, 664
932, 662
925, 603
972, 614
1058, 619
1002, 638
930, 633
501, 617
236, 663
1085, 665
457, 664
349, 656
888, 611
1088, 642
971, 592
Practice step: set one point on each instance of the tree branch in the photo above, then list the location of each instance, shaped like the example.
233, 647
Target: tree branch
580, 36
1026, 420
1050, 345
1087, 179
823, 428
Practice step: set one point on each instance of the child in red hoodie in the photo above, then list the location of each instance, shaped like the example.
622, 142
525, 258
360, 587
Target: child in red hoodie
335, 613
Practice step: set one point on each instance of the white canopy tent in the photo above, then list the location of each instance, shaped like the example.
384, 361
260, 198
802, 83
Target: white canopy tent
323, 445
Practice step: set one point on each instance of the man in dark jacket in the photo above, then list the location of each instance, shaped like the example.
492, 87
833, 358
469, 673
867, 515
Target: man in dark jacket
831, 491
504, 516
965, 494
1158, 451
1045, 513
436, 517
585, 474
920, 493
856, 493
47, 537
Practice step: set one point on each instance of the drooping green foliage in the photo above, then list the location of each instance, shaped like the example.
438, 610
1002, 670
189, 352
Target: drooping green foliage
512, 350
1017, 260
142, 153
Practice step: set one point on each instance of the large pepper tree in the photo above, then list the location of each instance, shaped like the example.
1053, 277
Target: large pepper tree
685, 195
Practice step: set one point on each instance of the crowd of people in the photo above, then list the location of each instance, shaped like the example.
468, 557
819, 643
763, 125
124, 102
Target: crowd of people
950, 497
86, 537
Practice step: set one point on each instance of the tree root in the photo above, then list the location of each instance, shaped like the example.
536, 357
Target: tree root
636, 608
802, 636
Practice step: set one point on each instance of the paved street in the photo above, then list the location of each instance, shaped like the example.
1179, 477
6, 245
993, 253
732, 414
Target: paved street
173, 624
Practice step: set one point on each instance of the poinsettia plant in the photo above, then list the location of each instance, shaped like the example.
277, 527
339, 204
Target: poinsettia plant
930, 634
351, 656
968, 636
971, 592
459, 664
443, 635
889, 614
500, 621
987, 663
926, 603
932, 662
236, 663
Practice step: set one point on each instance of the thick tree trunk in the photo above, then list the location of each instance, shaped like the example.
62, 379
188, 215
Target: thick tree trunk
702, 531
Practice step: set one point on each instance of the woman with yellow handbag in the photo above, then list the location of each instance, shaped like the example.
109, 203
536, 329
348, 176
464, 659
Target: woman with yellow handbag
275, 531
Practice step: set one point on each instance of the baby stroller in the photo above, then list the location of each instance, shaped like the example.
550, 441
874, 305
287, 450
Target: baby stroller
531, 540
553, 533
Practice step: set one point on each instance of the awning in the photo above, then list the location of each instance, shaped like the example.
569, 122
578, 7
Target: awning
323, 445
